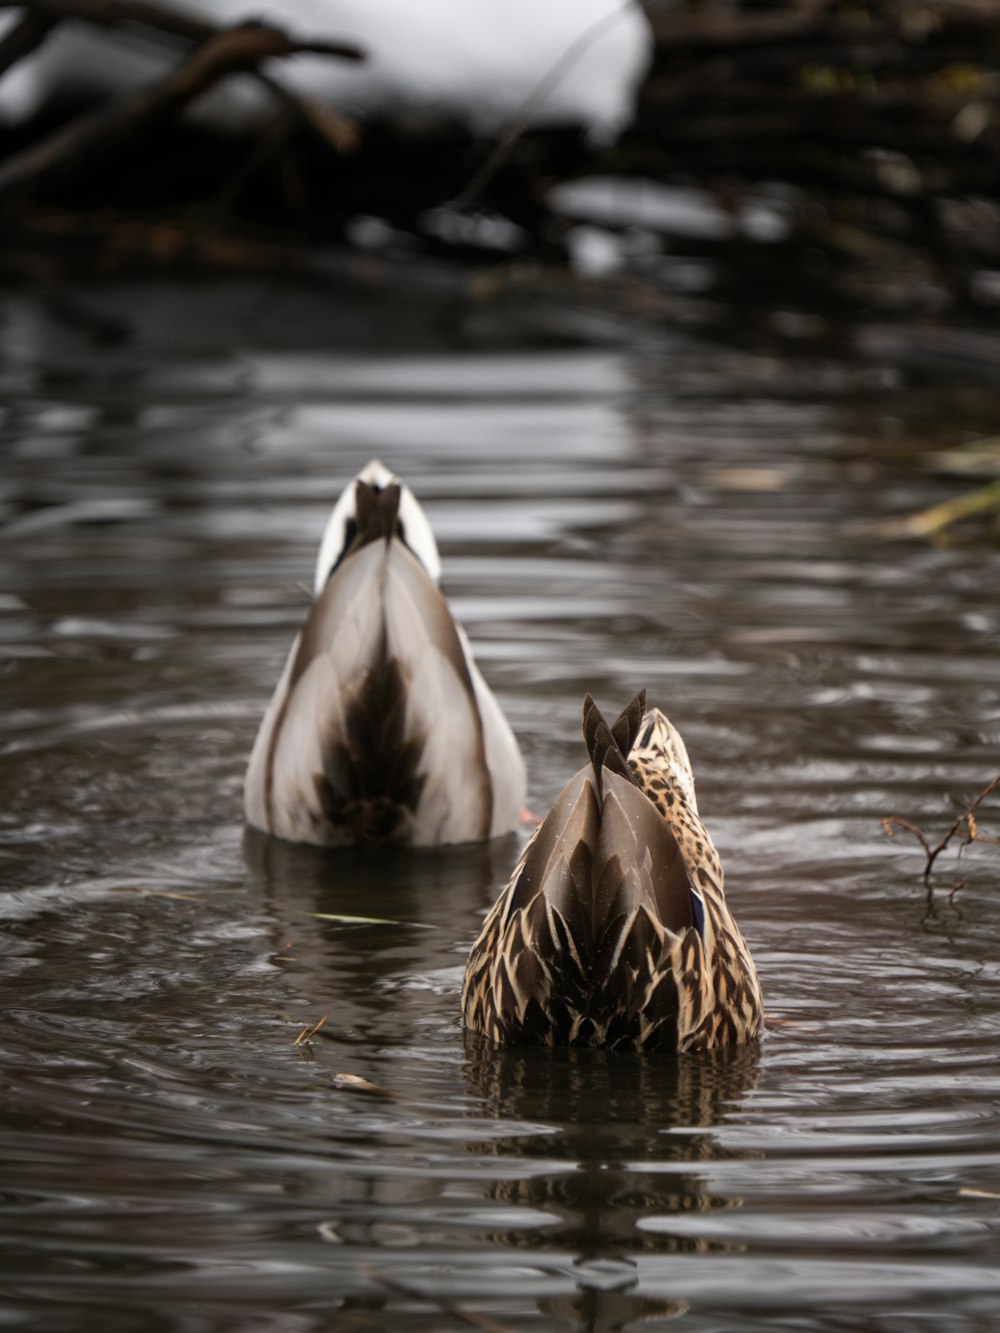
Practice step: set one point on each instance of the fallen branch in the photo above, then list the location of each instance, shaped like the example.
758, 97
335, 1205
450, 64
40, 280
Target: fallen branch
223, 52
877, 124
966, 818
339, 132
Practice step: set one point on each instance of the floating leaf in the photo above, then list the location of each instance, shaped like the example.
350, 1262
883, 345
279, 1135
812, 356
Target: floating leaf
362, 1085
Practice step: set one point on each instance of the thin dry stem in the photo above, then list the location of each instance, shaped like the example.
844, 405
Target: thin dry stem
307, 1033
966, 819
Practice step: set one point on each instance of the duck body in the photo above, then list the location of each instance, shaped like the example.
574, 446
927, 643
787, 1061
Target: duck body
381, 728
614, 929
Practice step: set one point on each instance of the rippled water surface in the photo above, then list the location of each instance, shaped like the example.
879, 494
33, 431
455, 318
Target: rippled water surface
704, 524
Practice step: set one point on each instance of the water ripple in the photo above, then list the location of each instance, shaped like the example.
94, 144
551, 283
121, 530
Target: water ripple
696, 522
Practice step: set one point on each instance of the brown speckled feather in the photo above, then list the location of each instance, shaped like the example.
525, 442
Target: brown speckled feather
614, 930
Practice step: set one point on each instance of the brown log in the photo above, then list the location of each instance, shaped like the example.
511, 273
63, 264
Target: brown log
94, 135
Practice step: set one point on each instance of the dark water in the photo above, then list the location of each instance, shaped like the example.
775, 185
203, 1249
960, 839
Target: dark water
700, 523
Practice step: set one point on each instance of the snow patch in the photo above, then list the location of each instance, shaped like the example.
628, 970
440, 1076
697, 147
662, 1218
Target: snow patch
479, 62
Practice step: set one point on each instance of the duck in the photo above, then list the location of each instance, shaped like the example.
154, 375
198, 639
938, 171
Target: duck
614, 930
381, 728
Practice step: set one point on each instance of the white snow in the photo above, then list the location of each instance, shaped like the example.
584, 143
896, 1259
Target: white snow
481, 60
682, 210
643, 203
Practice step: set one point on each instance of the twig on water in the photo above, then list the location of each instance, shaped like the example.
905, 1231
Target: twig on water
307, 1033
971, 834
460, 1312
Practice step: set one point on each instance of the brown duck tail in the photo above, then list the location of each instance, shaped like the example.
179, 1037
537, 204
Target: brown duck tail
609, 746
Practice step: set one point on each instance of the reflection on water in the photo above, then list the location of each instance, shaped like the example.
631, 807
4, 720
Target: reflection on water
631, 1135
613, 1114
696, 522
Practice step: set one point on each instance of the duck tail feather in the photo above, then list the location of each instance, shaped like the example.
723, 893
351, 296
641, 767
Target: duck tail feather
602, 744
626, 726
639, 862
441, 703
568, 835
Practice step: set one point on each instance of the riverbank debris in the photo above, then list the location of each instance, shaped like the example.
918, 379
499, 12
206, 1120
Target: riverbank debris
307, 1033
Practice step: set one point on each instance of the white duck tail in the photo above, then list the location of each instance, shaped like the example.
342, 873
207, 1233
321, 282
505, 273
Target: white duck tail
381, 728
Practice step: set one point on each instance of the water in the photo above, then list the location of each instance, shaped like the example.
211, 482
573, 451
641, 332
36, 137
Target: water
697, 522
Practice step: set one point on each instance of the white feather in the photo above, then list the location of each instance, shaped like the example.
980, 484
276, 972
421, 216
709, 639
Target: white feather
349, 620
502, 752
474, 781
418, 533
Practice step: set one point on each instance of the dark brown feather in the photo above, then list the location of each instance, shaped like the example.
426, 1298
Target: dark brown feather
634, 833
376, 513
626, 726
602, 745
572, 822
370, 785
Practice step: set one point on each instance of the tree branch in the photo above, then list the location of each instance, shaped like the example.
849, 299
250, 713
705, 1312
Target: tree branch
967, 817
69, 150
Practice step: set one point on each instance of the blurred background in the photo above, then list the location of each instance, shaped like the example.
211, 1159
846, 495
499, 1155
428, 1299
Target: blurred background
812, 173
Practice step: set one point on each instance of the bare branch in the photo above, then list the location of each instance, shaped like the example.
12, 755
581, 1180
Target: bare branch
888, 822
966, 819
339, 132
231, 51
